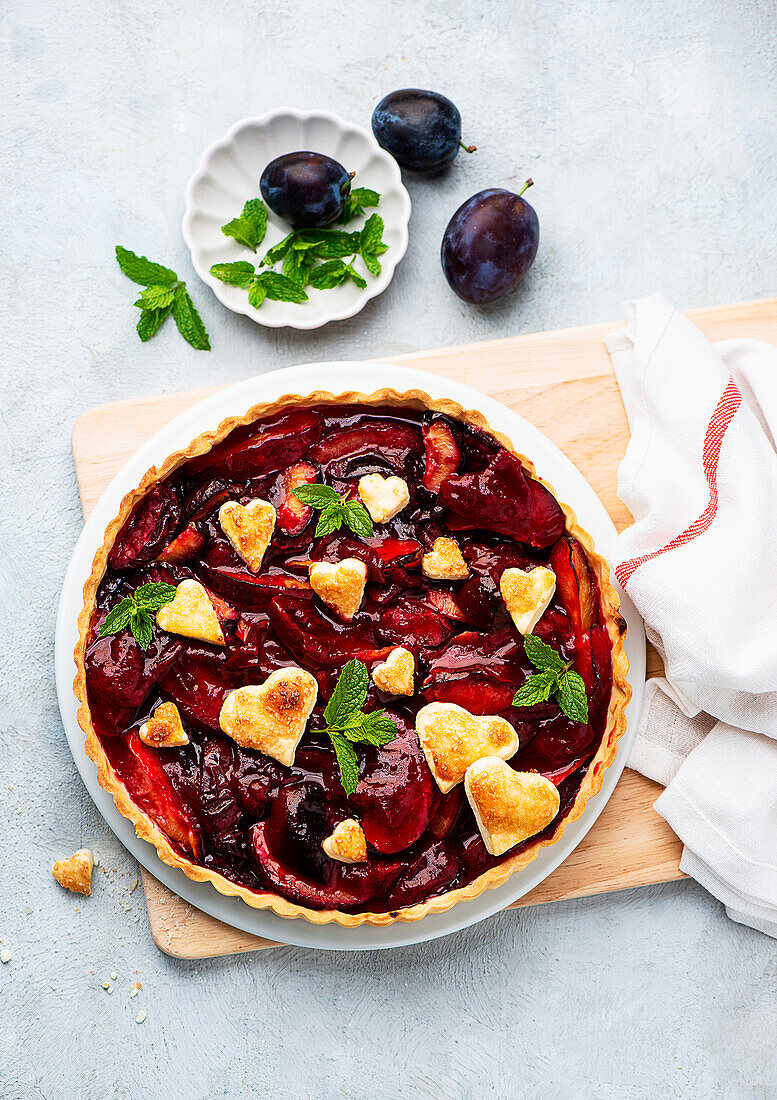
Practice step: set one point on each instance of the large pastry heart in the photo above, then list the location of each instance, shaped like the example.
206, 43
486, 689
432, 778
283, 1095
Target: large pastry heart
452, 739
249, 528
272, 716
509, 806
191, 614
340, 586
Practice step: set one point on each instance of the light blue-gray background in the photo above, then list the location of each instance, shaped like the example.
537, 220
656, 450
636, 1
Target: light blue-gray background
649, 128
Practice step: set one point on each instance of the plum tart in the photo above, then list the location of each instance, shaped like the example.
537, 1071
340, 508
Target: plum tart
348, 658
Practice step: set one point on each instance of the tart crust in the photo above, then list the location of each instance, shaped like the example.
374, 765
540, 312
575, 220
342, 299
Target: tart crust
147, 830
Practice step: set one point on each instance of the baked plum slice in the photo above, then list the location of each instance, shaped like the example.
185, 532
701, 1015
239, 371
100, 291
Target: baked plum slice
316, 640
575, 584
197, 688
436, 870
151, 525
142, 773
249, 590
503, 498
184, 546
121, 672
395, 792
264, 448
294, 516
393, 443
442, 454
411, 622
346, 886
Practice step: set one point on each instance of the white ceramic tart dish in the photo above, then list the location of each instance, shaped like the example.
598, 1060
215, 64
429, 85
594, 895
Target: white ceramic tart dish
381, 409
228, 175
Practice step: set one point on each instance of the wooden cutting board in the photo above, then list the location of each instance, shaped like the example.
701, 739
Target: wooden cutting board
564, 384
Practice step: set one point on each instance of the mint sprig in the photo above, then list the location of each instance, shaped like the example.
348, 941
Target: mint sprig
335, 511
164, 294
135, 612
347, 724
321, 258
259, 284
554, 677
249, 229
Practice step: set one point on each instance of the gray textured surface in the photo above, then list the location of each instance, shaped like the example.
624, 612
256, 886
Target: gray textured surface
649, 129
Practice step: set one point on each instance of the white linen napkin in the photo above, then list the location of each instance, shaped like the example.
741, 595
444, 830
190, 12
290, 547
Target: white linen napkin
700, 563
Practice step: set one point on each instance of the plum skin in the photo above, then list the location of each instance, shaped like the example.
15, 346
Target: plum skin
421, 129
306, 189
489, 245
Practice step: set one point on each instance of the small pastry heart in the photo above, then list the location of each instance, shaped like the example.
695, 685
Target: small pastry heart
272, 716
191, 614
452, 739
164, 729
383, 497
75, 873
445, 562
509, 806
527, 595
249, 528
347, 843
340, 586
395, 674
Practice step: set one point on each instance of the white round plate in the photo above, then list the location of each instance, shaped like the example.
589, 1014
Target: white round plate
228, 176
337, 377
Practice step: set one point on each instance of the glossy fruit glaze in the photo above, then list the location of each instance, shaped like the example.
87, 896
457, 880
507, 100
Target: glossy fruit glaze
258, 823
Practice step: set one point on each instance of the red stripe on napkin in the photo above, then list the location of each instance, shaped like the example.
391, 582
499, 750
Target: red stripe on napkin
713, 441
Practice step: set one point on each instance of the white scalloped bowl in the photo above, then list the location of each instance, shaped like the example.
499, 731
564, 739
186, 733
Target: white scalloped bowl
228, 175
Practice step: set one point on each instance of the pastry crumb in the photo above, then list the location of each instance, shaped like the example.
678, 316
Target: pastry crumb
140, 1016
5, 955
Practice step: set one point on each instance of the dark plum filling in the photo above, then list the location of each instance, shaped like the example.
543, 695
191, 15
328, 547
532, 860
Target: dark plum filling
261, 824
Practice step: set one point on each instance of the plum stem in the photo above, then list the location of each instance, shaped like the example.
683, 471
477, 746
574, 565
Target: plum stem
526, 186
468, 148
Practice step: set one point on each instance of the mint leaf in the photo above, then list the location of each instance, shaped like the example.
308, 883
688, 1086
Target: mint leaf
155, 594
374, 728
256, 294
142, 627
118, 617
189, 321
572, 696
328, 275
355, 277
150, 321
371, 235
316, 495
297, 265
278, 251
155, 297
356, 201
358, 518
347, 761
330, 520
349, 694
541, 655
372, 263
239, 273
328, 244
143, 271
249, 229
280, 288
537, 689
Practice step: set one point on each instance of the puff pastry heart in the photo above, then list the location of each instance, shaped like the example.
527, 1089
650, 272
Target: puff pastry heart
272, 716
249, 528
445, 562
527, 594
191, 614
340, 585
509, 806
452, 739
395, 674
383, 497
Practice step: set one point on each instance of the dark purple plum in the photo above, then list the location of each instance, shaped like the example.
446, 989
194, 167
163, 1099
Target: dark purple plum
490, 244
421, 130
305, 189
